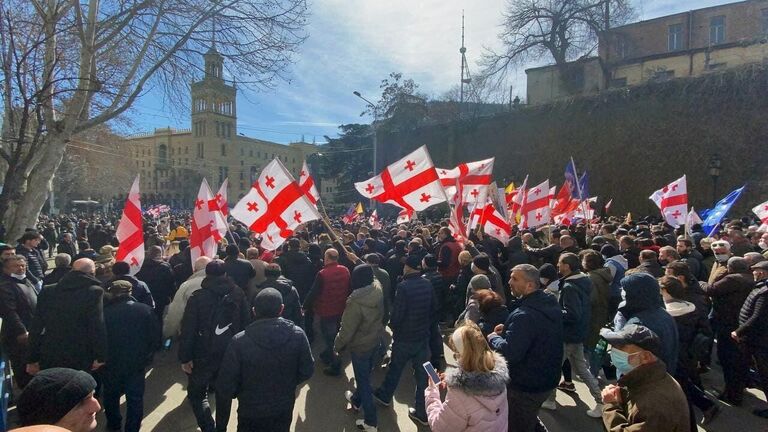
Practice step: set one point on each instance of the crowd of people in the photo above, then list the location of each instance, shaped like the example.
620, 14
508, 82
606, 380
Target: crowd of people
636, 309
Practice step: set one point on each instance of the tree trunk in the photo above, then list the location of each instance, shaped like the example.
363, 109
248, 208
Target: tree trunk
26, 210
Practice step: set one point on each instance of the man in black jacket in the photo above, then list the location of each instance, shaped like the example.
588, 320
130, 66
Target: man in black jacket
36, 264
200, 343
133, 335
18, 300
263, 366
292, 309
297, 267
158, 276
238, 269
71, 315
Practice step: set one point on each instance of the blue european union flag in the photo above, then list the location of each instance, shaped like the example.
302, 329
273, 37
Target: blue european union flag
716, 214
578, 184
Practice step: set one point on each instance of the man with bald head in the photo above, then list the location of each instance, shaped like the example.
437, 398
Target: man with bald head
71, 315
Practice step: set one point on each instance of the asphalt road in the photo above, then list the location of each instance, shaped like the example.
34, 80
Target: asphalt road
321, 406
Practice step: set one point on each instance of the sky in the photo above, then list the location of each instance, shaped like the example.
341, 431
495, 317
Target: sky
352, 46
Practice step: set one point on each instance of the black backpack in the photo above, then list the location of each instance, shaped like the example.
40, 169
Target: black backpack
223, 325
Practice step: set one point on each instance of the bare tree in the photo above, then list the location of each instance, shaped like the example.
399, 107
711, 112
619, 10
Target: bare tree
562, 30
70, 65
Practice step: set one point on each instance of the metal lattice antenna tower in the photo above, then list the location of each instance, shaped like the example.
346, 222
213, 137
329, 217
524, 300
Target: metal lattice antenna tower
465, 77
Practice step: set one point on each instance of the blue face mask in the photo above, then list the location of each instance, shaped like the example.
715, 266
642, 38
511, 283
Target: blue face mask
620, 360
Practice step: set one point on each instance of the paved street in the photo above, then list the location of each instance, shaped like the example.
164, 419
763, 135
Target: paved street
321, 406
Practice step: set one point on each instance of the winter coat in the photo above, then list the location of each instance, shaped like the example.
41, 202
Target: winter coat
488, 321
532, 343
133, 335
753, 319
475, 401
239, 270
181, 264
139, 290
361, 323
292, 304
448, 258
643, 305
653, 268
438, 287
55, 275
199, 312
382, 276
618, 266
36, 264
599, 300
575, 301
298, 268
159, 278
548, 254
689, 322
728, 295
263, 366
68, 329
329, 291
172, 320
651, 400
515, 253
461, 287
67, 248
413, 310
18, 300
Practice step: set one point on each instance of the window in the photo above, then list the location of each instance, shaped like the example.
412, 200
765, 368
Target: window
675, 37
662, 75
200, 149
717, 30
218, 129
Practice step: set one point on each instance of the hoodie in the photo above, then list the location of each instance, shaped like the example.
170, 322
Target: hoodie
475, 401
262, 367
532, 343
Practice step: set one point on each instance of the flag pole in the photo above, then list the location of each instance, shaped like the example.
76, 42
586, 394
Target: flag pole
578, 187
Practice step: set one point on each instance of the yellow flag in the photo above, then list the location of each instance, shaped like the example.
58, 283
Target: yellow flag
509, 189
359, 208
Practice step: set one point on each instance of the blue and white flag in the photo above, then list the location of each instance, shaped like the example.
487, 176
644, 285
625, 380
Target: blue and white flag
578, 184
716, 214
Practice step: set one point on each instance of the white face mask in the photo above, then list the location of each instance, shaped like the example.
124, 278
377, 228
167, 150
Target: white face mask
762, 245
722, 257
18, 276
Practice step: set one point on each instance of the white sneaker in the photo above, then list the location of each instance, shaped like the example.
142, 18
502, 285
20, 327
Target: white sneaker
360, 423
348, 396
550, 405
596, 412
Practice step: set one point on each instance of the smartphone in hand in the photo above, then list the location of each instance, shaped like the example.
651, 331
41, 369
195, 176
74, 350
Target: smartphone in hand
431, 372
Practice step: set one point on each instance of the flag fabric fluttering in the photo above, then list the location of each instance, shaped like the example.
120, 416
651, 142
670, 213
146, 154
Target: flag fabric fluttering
572, 177
471, 179
130, 231
219, 201
373, 220
761, 211
411, 183
535, 209
307, 184
359, 209
491, 221
608, 205
691, 220
405, 216
351, 215
208, 224
516, 203
275, 206
719, 211
672, 200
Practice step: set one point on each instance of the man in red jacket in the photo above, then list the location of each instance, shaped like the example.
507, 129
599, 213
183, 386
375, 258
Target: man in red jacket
327, 298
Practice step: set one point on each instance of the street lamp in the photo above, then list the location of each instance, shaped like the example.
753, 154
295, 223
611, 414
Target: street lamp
714, 172
373, 127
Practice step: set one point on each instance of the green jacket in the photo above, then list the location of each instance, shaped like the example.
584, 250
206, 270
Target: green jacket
361, 323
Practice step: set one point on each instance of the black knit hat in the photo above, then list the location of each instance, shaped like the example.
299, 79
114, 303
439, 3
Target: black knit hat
51, 394
215, 268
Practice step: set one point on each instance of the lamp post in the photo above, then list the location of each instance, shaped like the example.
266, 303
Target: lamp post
714, 171
373, 127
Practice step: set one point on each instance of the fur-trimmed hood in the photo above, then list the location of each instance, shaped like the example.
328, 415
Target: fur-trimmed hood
487, 384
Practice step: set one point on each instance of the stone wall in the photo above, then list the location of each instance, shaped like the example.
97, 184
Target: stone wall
632, 141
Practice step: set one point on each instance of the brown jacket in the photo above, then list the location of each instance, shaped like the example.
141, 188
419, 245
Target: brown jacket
651, 401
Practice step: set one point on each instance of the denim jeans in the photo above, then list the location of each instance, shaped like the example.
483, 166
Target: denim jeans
574, 353
329, 327
132, 385
275, 423
362, 364
402, 352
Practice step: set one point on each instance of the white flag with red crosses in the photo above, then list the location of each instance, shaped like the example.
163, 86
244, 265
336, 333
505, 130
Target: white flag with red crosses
762, 213
672, 199
307, 184
130, 231
411, 183
208, 224
470, 179
275, 206
535, 210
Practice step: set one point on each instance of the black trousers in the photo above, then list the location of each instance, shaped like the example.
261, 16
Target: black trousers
202, 378
276, 423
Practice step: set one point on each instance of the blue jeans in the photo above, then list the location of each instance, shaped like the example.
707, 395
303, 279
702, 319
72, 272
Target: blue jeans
362, 364
132, 385
402, 352
329, 327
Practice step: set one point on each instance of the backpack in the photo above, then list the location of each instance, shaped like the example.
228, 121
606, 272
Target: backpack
223, 325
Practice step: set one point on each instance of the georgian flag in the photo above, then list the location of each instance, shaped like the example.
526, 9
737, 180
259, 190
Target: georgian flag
473, 180
762, 213
405, 216
130, 231
275, 206
208, 224
411, 183
219, 201
672, 200
517, 202
535, 209
307, 184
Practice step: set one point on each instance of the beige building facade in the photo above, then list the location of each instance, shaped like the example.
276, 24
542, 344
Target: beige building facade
172, 162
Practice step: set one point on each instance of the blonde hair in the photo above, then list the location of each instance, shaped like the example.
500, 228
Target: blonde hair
475, 355
465, 257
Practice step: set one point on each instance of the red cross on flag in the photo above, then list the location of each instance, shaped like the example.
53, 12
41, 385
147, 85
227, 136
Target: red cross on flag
275, 206
411, 183
208, 224
672, 199
762, 213
535, 209
516, 203
492, 221
219, 201
130, 231
564, 202
307, 184
405, 216
373, 220
473, 180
